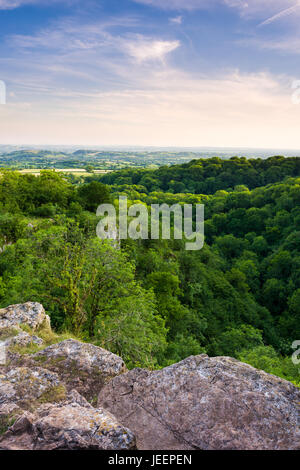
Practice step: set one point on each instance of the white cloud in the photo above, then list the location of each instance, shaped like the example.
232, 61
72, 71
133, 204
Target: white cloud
164, 107
251, 8
176, 20
12, 4
177, 4
143, 49
288, 44
282, 14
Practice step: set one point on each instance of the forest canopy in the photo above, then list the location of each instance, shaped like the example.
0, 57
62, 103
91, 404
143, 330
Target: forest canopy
152, 301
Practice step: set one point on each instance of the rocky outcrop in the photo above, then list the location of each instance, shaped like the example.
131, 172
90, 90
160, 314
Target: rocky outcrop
31, 314
15, 317
46, 397
23, 386
206, 403
39, 406
24, 389
81, 366
37, 414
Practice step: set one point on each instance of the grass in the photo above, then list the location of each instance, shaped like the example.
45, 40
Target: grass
48, 336
5, 423
54, 395
6, 333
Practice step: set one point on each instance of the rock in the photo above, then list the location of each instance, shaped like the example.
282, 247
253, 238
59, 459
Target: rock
67, 426
70, 422
31, 314
82, 366
28, 388
206, 403
24, 339
9, 412
13, 318
15, 338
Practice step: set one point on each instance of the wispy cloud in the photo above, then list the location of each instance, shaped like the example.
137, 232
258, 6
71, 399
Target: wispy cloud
176, 20
249, 8
12, 4
168, 108
143, 49
178, 4
289, 45
282, 14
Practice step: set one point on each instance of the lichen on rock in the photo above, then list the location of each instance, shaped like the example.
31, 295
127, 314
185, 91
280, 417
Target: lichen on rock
31, 314
80, 365
208, 404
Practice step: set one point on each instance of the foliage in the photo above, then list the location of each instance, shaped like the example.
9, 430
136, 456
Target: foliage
152, 301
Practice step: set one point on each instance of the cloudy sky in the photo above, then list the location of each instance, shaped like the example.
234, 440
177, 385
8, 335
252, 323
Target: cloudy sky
151, 72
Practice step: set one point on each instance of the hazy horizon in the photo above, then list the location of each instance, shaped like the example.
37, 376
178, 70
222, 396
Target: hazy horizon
200, 151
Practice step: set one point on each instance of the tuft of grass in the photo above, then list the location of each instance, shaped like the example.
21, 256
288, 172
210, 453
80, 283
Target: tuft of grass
54, 395
48, 336
6, 422
6, 333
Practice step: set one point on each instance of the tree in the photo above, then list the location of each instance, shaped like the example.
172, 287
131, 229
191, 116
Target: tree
93, 194
234, 340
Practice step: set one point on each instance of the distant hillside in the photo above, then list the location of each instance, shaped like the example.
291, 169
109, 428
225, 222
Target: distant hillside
206, 176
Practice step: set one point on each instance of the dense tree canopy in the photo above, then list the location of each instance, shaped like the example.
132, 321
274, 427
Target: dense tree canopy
152, 301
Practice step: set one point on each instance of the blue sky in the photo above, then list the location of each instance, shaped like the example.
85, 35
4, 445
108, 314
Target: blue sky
150, 72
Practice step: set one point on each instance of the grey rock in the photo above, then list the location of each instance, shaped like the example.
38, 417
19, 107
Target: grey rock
31, 314
23, 339
206, 403
24, 386
67, 426
81, 366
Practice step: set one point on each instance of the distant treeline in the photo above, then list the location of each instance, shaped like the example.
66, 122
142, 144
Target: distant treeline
206, 176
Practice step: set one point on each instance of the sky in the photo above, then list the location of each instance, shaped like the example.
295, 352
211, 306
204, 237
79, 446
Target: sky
190, 73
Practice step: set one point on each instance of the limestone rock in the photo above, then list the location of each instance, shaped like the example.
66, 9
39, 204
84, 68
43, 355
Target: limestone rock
23, 339
67, 426
37, 414
82, 366
31, 314
206, 403
28, 387
13, 318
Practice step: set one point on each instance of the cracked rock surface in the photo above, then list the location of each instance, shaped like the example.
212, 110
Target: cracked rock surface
82, 366
40, 415
206, 403
46, 398
69, 425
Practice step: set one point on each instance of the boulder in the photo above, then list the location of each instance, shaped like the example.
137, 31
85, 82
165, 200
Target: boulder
36, 413
206, 403
21, 339
31, 314
67, 426
82, 366
28, 388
